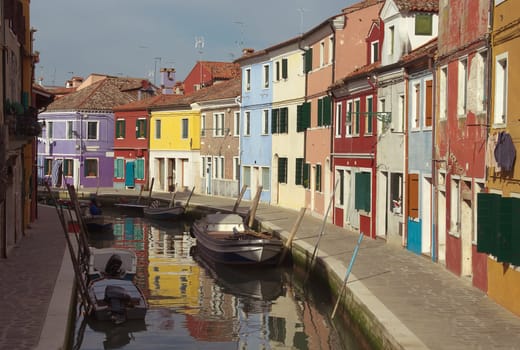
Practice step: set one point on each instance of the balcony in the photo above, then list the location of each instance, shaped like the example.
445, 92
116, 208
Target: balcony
21, 122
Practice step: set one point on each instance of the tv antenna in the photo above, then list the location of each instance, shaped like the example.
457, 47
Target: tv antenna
199, 43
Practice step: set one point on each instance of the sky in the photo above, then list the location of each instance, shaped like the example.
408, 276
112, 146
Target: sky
131, 38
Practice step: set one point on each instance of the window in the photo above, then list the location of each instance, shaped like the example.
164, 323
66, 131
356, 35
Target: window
348, 119
318, 177
282, 170
185, 125
322, 54
265, 122
428, 108
203, 125
340, 198
285, 68
218, 124
303, 117
50, 129
92, 130
215, 168
462, 96
68, 167
120, 129
247, 176
396, 192
247, 78
222, 167
280, 120
455, 205
158, 129
402, 110
236, 168
374, 52
302, 173
247, 123
47, 167
423, 24
362, 195
443, 98
382, 109
356, 117
277, 71
236, 126
391, 42
307, 56
266, 183
266, 76
324, 111
91, 167
338, 119
70, 130
369, 118
139, 168
119, 168
482, 81
501, 82
331, 49
140, 128
416, 106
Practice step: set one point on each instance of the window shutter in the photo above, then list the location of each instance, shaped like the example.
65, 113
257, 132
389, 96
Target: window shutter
284, 120
515, 237
298, 179
282, 170
306, 175
362, 195
275, 116
320, 112
327, 110
429, 103
370, 110
413, 195
308, 60
284, 68
303, 116
505, 230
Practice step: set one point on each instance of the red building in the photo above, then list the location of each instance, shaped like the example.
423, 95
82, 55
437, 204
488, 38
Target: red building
355, 142
207, 73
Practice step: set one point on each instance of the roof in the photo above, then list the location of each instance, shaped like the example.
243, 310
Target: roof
418, 5
424, 50
221, 70
102, 95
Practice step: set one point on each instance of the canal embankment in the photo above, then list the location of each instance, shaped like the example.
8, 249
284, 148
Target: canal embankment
399, 299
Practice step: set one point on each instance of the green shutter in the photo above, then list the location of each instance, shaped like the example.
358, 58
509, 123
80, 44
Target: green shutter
284, 120
284, 68
275, 115
505, 230
362, 195
487, 204
306, 175
299, 118
515, 237
282, 170
308, 60
318, 177
298, 179
320, 112
327, 110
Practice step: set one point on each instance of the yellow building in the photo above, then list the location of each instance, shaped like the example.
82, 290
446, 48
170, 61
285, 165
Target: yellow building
503, 242
174, 144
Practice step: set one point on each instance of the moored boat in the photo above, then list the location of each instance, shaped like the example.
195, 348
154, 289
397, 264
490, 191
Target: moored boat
112, 262
163, 213
116, 300
226, 239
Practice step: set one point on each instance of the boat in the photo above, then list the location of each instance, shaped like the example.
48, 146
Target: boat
116, 300
163, 213
226, 239
112, 262
96, 224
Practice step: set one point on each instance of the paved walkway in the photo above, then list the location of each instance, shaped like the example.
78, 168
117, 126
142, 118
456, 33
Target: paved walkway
415, 303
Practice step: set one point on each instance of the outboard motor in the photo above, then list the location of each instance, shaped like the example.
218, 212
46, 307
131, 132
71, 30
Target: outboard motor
113, 266
117, 298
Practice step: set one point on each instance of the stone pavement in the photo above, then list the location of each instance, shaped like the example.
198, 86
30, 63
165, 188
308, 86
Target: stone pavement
412, 302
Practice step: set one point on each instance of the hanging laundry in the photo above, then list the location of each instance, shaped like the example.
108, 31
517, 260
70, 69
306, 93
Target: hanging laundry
505, 152
490, 152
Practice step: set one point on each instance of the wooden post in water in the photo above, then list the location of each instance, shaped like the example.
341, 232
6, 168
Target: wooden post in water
188, 200
239, 199
252, 213
172, 200
150, 193
294, 229
140, 195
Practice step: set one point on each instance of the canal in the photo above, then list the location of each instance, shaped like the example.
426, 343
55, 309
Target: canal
195, 304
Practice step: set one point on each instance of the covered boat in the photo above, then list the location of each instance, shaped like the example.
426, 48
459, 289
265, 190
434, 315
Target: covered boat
226, 239
112, 262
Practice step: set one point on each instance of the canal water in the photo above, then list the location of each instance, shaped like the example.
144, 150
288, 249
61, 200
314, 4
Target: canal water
194, 304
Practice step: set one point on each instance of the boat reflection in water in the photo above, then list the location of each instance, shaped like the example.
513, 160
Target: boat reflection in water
195, 304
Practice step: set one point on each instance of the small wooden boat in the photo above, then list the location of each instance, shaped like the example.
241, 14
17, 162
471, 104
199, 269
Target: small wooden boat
226, 239
112, 262
163, 213
116, 300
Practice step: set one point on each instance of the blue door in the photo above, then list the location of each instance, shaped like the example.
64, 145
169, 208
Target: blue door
130, 174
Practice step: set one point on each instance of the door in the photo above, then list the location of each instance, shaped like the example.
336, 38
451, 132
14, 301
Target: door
414, 222
130, 174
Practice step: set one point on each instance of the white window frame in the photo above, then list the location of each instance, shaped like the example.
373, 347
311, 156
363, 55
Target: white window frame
462, 86
92, 122
236, 168
70, 130
348, 112
247, 79
266, 76
501, 87
157, 130
367, 131
247, 123
203, 125
218, 124
455, 209
185, 126
339, 109
322, 53
265, 122
373, 58
391, 42
236, 125
416, 106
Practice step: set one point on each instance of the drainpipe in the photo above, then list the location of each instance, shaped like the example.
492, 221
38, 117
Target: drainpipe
238, 101
434, 199
333, 115
404, 241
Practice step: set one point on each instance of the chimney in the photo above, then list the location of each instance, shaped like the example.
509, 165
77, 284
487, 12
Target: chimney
167, 80
247, 51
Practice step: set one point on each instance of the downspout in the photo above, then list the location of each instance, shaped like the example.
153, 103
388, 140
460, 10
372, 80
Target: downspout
333, 117
404, 241
238, 101
434, 211
3, 234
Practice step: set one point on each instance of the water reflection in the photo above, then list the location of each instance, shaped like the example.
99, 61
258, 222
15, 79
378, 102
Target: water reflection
196, 304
